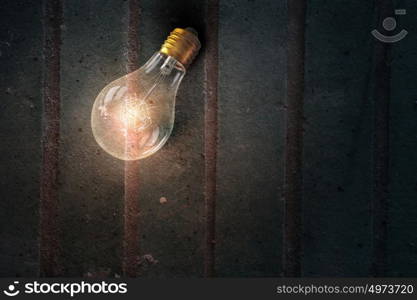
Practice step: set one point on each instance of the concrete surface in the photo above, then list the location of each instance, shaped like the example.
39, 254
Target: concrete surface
337, 149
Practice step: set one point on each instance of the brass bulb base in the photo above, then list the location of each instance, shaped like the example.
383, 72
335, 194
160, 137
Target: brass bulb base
182, 44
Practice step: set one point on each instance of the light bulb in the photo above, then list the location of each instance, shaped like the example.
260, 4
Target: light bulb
133, 116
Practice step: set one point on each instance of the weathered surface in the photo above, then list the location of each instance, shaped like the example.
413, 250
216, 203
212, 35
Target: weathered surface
381, 98
131, 209
172, 231
293, 185
49, 244
20, 134
211, 125
91, 181
337, 148
339, 152
402, 222
251, 138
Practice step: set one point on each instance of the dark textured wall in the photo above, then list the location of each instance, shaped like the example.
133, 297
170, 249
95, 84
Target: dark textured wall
252, 96
338, 130
20, 132
338, 187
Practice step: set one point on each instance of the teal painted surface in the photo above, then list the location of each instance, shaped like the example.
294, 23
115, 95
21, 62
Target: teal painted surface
402, 236
338, 140
20, 134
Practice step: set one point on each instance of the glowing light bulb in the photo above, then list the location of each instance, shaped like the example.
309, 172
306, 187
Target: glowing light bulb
133, 116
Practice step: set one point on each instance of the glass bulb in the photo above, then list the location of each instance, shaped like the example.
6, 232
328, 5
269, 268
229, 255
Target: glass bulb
133, 116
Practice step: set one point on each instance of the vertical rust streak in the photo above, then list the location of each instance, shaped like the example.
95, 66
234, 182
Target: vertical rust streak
49, 247
294, 139
133, 36
382, 91
211, 68
131, 172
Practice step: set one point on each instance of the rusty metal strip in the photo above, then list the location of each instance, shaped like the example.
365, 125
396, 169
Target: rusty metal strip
130, 259
49, 246
294, 139
382, 91
211, 66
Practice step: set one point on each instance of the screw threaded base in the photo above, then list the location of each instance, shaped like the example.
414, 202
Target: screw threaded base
182, 44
